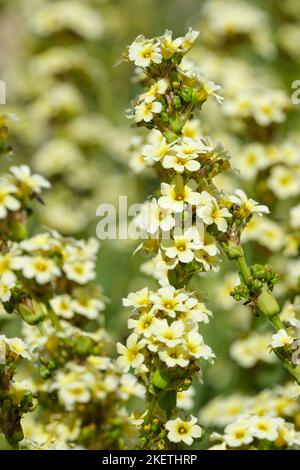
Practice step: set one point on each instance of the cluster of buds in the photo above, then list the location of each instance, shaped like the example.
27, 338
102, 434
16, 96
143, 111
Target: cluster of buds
260, 276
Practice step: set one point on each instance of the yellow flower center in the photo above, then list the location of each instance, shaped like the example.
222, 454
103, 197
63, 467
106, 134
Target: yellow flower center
78, 269
41, 266
169, 304
239, 434
181, 246
4, 265
182, 430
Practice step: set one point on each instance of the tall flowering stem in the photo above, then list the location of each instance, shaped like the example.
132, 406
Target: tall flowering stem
186, 224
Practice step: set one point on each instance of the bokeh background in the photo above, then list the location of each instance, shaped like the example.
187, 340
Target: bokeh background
57, 59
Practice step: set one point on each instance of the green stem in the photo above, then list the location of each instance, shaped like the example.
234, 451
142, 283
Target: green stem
294, 371
276, 322
150, 410
41, 328
54, 318
243, 267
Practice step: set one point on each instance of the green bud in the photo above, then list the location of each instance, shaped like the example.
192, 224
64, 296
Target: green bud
164, 117
19, 230
176, 123
160, 379
44, 372
176, 102
187, 94
31, 311
267, 304
257, 284
83, 345
258, 271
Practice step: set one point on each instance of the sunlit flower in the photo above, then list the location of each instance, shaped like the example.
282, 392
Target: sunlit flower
174, 357
169, 300
79, 271
146, 110
18, 347
175, 196
139, 299
281, 339
171, 335
142, 52
186, 431
211, 213
43, 270
158, 88
62, 306
130, 354
264, 427
30, 182
238, 433
284, 182
248, 205
181, 246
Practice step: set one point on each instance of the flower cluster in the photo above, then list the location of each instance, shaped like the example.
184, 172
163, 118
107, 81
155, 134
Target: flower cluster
80, 378
258, 433
189, 219
164, 351
165, 338
280, 401
46, 280
268, 420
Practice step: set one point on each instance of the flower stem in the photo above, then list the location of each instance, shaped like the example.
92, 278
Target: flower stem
54, 319
150, 410
243, 267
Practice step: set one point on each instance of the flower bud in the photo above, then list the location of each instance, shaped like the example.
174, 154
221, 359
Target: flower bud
176, 123
267, 304
83, 345
31, 311
159, 380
